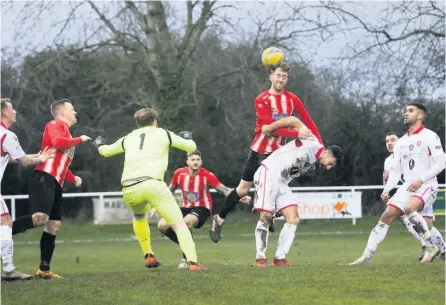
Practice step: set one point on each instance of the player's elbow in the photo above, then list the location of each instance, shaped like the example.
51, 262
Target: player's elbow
103, 151
191, 147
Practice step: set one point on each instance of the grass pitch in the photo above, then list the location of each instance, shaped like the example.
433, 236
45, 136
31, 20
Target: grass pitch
103, 265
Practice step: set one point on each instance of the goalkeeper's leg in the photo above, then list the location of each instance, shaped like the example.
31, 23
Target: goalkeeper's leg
142, 232
164, 202
138, 205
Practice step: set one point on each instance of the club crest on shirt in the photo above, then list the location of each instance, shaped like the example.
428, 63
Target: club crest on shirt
418, 143
192, 197
277, 115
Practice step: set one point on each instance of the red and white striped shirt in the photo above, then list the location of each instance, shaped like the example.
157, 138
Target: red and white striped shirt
194, 189
57, 135
270, 108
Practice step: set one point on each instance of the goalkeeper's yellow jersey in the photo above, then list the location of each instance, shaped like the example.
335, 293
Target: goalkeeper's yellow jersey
146, 153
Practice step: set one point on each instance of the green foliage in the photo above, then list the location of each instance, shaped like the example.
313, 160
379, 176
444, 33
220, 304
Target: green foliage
213, 98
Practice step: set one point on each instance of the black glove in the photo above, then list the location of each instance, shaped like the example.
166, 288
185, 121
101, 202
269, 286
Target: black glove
186, 135
98, 142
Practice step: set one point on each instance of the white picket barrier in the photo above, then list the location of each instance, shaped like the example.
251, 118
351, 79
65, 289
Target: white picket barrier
324, 207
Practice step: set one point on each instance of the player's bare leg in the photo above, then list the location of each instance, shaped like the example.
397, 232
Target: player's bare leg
47, 245
422, 227
10, 273
231, 201
286, 237
378, 234
261, 234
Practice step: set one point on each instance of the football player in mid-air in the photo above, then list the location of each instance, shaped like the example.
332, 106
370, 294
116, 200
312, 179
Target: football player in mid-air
271, 105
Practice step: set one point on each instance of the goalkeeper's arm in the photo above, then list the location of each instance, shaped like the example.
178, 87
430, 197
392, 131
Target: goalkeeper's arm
109, 150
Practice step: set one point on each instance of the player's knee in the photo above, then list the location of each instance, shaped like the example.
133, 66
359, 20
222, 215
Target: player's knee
140, 216
267, 219
390, 215
179, 225
190, 222
40, 219
162, 225
293, 220
243, 188
429, 222
6, 220
53, 226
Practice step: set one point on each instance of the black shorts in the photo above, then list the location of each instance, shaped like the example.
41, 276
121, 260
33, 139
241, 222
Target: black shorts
45, 195
252, 164
202, 214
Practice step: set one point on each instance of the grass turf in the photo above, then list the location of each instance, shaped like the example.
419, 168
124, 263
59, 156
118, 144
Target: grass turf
106, 271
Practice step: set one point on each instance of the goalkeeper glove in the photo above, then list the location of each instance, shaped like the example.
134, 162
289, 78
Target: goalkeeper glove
98, 142
187, 135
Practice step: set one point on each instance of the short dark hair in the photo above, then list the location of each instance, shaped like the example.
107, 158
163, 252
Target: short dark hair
58, 104
145, 117
337, 152
418, 105
393, 133
286, 67
4, 102
197, 153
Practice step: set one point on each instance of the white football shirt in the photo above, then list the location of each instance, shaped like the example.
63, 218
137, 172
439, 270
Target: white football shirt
294, 158
413, 153
10, 148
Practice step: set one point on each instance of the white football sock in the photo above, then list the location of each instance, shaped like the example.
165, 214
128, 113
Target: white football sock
220, 220
420, 226
377, 235
7, 248
437, 239
261, 234
285, 240
409, 227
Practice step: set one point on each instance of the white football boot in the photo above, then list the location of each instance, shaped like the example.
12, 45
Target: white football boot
430, 254
183, 264
361, 261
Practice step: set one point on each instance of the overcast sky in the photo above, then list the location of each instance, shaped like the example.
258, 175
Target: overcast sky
43, 29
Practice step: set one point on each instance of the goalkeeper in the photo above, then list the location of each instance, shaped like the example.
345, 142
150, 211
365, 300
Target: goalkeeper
146, 152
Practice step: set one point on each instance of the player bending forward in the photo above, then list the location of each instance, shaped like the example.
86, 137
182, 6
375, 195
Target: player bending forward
419, 157
273, 193
194, 182
146, 152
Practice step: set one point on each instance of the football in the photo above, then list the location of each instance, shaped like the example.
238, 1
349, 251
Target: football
272, 57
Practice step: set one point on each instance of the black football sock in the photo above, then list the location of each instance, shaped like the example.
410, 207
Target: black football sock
230, 203
47, 245
22, 224
171, 235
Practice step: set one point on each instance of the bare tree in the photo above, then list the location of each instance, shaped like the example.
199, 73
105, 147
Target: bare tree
404, 44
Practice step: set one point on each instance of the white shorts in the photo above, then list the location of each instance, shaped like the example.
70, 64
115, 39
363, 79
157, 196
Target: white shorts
426, 193
3, 207
271, 193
